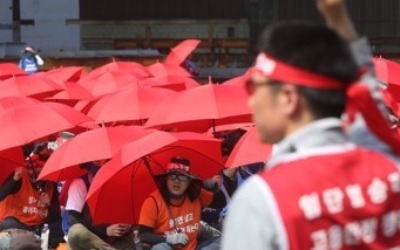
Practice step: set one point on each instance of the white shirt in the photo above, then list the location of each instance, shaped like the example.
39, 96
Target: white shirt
76, 195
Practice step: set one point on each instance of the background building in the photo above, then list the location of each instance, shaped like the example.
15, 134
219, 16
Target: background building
228, 28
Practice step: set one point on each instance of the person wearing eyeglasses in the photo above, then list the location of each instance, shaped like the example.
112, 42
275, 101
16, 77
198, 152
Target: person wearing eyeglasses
320, 190
170, 217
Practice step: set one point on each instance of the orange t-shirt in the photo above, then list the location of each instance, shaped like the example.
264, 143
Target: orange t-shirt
154, 214
25, 205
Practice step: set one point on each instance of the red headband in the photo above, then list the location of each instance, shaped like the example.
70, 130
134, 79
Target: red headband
359, 94
280, 71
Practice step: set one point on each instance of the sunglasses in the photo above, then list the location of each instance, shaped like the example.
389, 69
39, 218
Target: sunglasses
179, 177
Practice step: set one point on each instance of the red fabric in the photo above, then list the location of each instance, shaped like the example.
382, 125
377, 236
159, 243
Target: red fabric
34, 86
317, 201
10, 159
25, 123
72, 73
280, 71
180, 52
175, 83
141, 102
122, 184
201, 108
167, 70
248, 150
359, 97
103, 143
8, 70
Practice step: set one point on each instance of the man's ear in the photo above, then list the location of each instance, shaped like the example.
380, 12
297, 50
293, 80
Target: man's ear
290, 99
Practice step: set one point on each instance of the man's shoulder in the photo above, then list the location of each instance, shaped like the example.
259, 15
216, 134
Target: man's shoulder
78, 183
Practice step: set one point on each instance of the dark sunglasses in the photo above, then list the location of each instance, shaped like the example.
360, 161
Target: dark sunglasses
179, 177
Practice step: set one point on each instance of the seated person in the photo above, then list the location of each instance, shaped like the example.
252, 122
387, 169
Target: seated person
170, 216
27, 204
82, 234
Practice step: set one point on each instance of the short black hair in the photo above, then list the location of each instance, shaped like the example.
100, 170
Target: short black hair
318, 49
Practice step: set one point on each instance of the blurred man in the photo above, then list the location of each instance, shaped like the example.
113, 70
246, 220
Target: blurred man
30, 61
321, 191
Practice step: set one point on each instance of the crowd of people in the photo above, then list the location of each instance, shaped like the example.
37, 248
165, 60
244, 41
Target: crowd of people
331, 183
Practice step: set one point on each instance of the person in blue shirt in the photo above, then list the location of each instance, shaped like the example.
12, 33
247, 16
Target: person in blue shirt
30, 61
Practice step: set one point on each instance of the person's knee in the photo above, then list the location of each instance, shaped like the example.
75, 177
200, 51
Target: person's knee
77, 233
162, 246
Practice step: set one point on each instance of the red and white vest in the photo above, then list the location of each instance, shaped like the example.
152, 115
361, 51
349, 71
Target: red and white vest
347, 200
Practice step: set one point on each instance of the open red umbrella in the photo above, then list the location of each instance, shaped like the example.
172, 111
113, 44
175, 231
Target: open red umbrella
73, 91
10, 159
133, 103
237, 81
166, 70
25, 123
10, 102
107, 82
34, 86
8, 70
125, 181
249, 150
135, 69
97, 144
180, 52
201, 108
73, 73
173, 83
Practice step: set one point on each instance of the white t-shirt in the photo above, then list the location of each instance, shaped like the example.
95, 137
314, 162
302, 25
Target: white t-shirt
76, 195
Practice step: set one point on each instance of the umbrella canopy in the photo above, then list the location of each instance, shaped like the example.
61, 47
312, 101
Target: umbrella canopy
249, 150
201, 108
237, 81
8, 70
125, 180
73, 91
135, 69
72, 73
107, 82
97, 144
10, 102
34, 86
133, 103
180, 52
10, 159
173, 83
166, 70
25, 123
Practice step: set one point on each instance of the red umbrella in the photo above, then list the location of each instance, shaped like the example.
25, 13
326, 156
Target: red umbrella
8, 70
106, 83
201, 108
173, 83
237, 81
249, 150
180, 52
35, 86
73, 91
25, 123
135, 69
10, 159
10, 102
125, 181
167, 70
387, 71
72, 73
133, 103
97, 144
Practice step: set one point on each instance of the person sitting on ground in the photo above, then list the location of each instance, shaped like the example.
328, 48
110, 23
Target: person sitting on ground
170, 217
26, 204
82, 234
